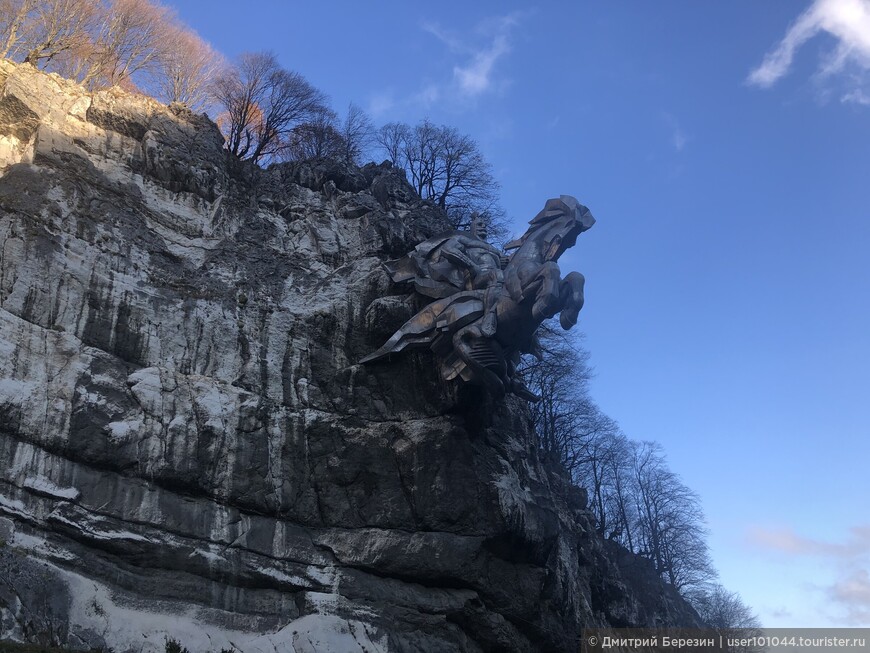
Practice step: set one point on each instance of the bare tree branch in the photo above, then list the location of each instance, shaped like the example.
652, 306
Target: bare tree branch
186, 68
130, 37
13, 17
635, 498
357, 133
726, 613
446, 167
54, 27
317, 138
390, 138
670, 527
262, 103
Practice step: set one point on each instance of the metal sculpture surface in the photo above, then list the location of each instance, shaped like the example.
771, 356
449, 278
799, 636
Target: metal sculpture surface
486, 307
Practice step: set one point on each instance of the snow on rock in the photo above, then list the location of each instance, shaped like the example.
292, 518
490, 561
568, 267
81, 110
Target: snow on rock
40, 484
189, 447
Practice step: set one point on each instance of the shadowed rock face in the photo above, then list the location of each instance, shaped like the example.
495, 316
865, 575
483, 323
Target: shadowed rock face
188, 447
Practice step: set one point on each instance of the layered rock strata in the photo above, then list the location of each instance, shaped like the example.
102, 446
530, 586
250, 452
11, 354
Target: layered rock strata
189, 448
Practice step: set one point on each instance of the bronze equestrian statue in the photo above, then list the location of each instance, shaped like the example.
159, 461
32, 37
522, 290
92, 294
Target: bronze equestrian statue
486, 307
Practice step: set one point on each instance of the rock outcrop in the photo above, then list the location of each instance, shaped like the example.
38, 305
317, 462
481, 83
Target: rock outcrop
188, 446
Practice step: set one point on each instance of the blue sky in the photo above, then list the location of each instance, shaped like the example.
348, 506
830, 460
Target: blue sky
724, 149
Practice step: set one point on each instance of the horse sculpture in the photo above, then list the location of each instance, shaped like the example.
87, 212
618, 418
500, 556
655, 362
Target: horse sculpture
487, 308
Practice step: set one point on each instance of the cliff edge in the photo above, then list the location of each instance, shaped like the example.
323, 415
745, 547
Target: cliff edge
188, 445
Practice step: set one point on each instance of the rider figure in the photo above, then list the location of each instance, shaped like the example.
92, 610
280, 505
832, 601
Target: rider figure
484, 265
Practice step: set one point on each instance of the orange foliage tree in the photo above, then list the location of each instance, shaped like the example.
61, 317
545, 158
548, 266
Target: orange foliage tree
135, 44
262, 103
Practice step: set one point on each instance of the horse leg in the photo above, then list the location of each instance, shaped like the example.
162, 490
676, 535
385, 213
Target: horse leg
548, 299
571, 291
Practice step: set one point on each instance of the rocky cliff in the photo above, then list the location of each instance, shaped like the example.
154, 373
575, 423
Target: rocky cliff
188, 445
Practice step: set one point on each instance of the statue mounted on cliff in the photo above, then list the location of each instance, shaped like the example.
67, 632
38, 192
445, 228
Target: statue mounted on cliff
486, 307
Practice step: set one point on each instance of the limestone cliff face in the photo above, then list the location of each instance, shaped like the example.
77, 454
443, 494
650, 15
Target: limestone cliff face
188, 447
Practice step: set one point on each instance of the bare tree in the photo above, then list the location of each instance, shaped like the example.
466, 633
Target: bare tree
357, 133
13, 17
186, 68
670, 527
391, 138
42, 31
604, 453
133, 43
323, 136
262, 103
463, 179
132, 36
421, 158
560, 378
239, 90
635, 498
726, 613
448, 168
720, 608
574, 430
556, 374
621, 510
317, 138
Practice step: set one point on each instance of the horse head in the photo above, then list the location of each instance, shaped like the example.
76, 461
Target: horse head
553, 230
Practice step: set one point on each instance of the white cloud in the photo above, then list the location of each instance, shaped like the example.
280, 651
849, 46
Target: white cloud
785, 540
476, 74
852, 592
848, 597
678, 136
858, 96
474, 61
428, 95
847, 21
476, 77
453, 43
853, 589
381, 103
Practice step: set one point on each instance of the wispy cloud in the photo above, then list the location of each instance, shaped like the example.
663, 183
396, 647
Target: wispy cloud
678, 136
452, 41
858, 96
852, 592
475, 77
847, 21
847, 592
785, 540
428, 95
480, 53
471, 65
855, 589
381, 103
